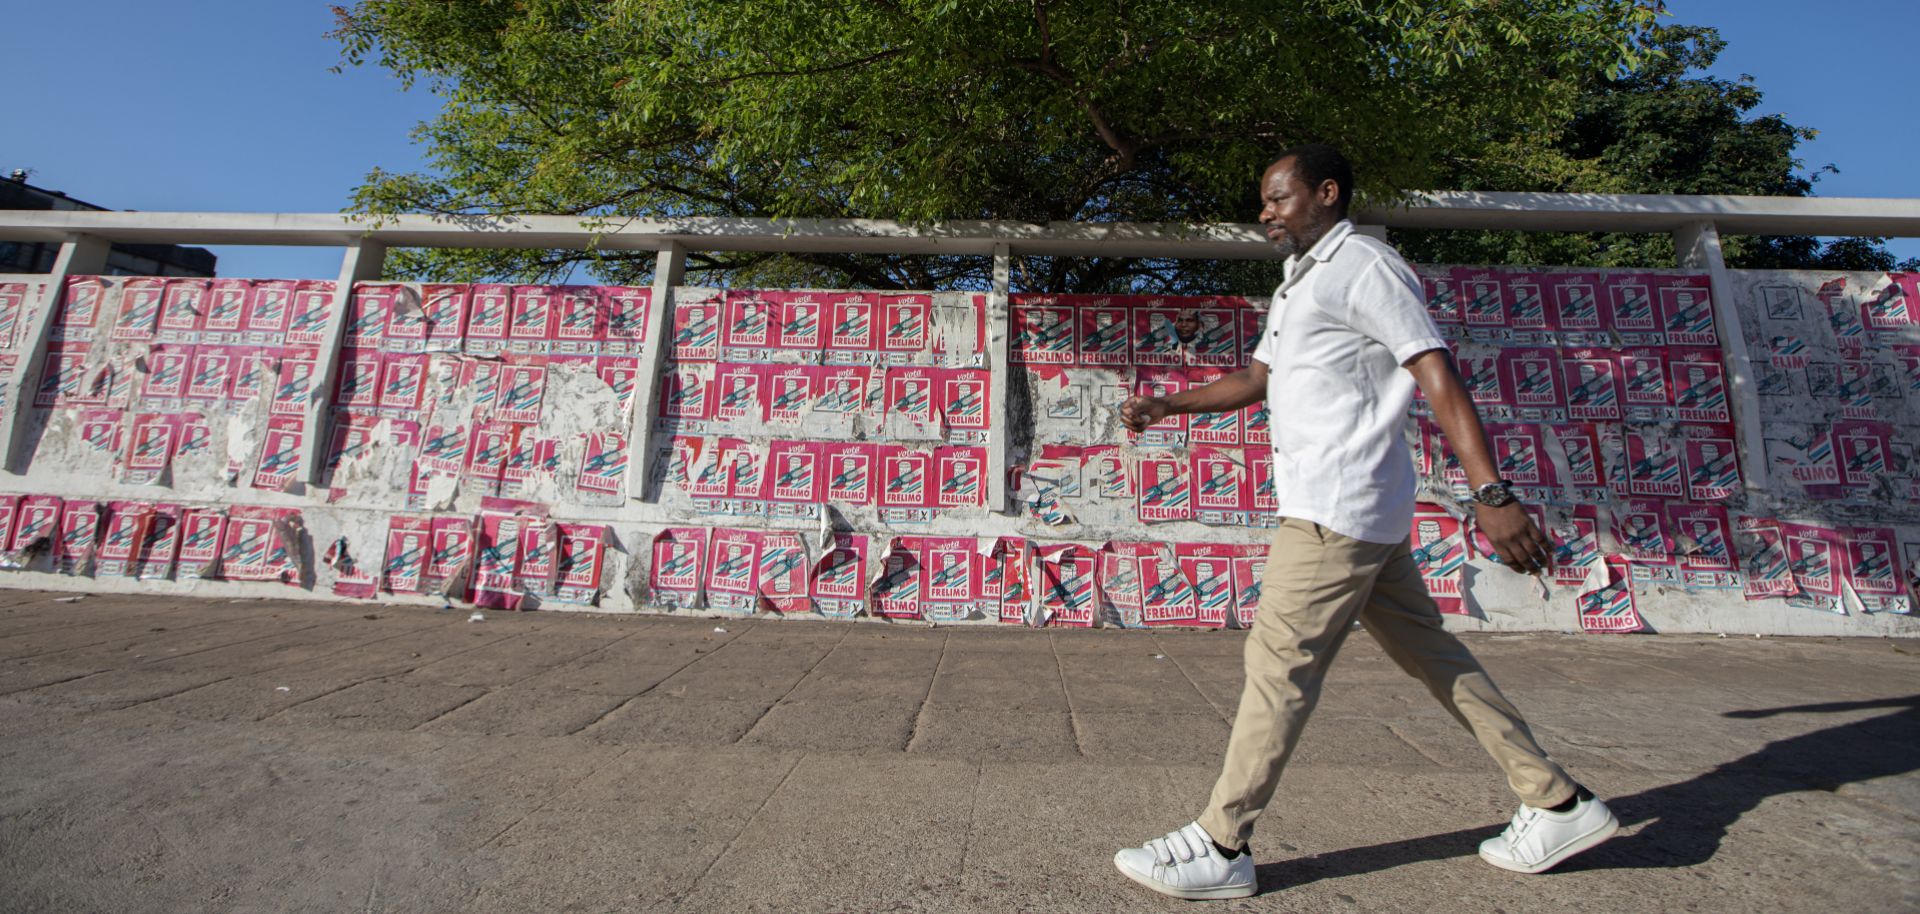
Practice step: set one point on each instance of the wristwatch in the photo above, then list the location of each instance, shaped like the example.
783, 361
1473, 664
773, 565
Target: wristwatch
1495, 494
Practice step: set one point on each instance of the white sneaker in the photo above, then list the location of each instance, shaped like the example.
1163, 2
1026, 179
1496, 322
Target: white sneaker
1185, 864
1539, 839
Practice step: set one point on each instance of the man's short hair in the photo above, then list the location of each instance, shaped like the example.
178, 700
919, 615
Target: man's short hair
1317, 163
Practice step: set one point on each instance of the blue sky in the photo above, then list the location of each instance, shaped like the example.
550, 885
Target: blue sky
230, 105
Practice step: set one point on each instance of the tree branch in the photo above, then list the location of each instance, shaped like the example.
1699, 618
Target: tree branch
814, 71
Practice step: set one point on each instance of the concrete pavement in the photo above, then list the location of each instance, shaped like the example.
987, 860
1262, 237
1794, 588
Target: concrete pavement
162, 754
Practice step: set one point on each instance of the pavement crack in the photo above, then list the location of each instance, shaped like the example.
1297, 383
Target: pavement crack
973, 815
649, 689
793, 688
920, 716
42, 685
389, 674
1225, 715
548, 800
483, 693
1073, 716
1437, 762
694, 886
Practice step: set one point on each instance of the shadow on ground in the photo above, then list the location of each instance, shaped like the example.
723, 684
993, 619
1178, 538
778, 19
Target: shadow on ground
1685, 821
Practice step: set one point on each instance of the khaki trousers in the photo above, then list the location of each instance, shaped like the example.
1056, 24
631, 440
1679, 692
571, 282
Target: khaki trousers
1316, 583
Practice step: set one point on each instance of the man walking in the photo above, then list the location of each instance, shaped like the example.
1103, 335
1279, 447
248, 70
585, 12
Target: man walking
1346, 340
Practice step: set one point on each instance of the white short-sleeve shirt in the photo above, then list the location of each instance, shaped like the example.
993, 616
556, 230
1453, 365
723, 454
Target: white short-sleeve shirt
1349, 315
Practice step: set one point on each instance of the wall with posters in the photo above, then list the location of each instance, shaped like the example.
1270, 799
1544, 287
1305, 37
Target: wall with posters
826, 453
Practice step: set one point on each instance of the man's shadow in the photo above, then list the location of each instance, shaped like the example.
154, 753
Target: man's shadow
1685, 821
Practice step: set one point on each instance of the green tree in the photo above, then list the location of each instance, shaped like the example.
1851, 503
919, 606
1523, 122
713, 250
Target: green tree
1662, 128
939, 109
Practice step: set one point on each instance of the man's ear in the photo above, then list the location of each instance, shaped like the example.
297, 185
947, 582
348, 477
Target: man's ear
1329, 192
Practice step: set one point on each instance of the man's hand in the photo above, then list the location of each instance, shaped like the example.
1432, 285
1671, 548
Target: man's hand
1517, 543
1139, 412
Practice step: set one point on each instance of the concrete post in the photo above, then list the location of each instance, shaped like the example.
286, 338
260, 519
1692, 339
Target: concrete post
363, 262
669, 269
1697, 246
999, 333
80, 255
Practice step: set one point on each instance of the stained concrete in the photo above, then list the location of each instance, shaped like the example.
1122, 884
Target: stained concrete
174, 754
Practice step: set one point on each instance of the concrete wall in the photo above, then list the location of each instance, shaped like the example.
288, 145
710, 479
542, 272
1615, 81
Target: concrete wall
486, 444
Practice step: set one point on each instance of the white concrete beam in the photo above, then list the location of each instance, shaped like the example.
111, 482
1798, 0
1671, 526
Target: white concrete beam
1698, 247
669, 269
80, 255
999, 334
363, 262
1443, 210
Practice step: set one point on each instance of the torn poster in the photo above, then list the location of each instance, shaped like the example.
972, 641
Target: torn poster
1814, 554
353, 578
780, 575
1611, 607
1209, 569
1165, 489
496, 559
839, 581
1576, 545
1440, 551
897, 590
1768, 571
1066, 584
126, 530
409, 545
1873, 575
262, 544
1702, 538
203, 534
1006, 580
1249, 570
160, 545
73, 550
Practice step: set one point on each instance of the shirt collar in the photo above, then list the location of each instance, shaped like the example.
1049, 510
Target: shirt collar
1323, 249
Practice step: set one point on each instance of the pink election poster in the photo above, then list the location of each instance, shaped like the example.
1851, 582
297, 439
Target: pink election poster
1209, 569
781, 572
1686, 311
1106, 327
1638, 528
409, 544
1576, 546
674, 576
796, 468
1702, 537
747, 325
582, 558
1066, 585
851, 338
696, 330
73, 548
899, 587
732, 560
1611, 607
1814, 554
949, 570
1873, 570
1440, 551
839, 578
800, 319
906, 325
1527, 311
